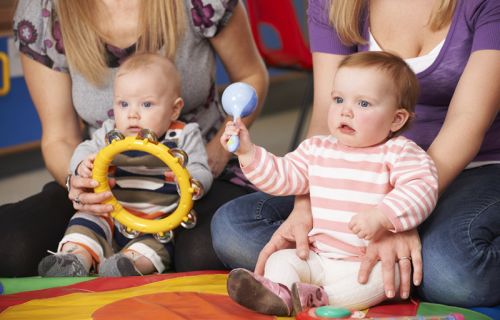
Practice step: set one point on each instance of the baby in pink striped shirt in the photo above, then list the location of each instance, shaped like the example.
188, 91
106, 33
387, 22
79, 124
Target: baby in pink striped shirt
363, 179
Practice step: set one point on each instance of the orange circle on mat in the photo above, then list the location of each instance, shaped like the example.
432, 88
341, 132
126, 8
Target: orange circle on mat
176, 306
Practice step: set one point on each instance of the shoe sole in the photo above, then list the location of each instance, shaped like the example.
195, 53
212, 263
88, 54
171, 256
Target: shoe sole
243, 288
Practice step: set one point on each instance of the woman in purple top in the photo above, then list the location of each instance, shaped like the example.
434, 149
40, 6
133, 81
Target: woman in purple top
454, 47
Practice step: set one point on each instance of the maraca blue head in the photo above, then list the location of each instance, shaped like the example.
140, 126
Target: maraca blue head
239, 99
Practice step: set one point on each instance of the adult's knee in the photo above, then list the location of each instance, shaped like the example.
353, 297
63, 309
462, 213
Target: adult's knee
243, 226
461, 259
458, 284
228, 238
219, 224
461, 241
30, 227
17, 262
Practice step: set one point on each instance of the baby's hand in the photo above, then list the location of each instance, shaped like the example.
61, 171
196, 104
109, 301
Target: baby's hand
237, 128
369, 225
85, 167
230, 130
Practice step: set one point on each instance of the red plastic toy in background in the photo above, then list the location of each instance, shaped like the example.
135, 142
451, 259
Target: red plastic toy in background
280, 16
291, 53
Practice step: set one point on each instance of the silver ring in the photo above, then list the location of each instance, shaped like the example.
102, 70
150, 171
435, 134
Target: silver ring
404, 258
77, 200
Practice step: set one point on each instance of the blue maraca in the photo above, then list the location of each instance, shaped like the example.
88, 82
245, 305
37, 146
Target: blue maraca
238, 100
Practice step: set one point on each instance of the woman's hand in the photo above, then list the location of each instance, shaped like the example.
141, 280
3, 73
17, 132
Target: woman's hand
84, 199
292, 233
81, 190
404, 248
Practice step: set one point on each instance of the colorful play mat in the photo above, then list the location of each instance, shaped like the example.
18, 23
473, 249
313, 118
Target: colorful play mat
193, 295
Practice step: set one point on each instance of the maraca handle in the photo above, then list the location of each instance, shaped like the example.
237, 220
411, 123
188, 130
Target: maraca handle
233, 143
238, 100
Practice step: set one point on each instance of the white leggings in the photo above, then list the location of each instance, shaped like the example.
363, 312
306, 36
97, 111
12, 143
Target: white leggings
337, 277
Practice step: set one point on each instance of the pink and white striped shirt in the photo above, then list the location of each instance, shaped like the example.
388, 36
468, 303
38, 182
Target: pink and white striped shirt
397, 176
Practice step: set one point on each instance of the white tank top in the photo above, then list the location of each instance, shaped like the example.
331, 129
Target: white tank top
417, 64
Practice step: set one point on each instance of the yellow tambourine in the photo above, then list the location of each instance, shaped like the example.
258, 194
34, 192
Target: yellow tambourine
145, 141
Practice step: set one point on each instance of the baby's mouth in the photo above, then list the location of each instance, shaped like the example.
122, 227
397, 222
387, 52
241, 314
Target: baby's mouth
344, 128
134, 128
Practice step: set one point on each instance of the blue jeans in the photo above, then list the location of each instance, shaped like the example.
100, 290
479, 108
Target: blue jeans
461, 239
242, 226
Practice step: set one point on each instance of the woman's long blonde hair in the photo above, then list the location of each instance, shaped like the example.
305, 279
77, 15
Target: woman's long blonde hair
161, 24
345, 17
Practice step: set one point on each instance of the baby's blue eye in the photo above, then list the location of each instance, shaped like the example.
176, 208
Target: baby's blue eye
123, 104
338, 99
364, 103
147, 104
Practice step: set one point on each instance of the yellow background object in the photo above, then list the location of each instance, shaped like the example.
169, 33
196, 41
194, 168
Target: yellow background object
5, 75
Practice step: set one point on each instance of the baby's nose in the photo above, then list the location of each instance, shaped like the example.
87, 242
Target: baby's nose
346, 111
133, 113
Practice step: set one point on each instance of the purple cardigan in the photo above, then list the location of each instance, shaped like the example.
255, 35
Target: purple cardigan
475, 26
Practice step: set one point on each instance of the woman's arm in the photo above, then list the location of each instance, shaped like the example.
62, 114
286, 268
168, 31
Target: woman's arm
51, 94
61, 132
474, 105
324, 68
237, 51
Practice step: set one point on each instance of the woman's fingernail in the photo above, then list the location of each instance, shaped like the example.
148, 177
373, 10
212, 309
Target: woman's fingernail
390, 294
405, 295
94, 183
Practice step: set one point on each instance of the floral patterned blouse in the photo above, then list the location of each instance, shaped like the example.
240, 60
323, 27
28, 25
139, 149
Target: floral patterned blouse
38, 35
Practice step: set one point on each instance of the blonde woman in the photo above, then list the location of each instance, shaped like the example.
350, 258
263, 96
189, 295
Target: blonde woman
454, 49
70, 51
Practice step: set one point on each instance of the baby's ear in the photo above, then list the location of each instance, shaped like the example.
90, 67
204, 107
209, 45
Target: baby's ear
401, 116
177, 108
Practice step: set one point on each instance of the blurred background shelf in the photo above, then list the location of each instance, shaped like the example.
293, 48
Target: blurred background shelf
19, 124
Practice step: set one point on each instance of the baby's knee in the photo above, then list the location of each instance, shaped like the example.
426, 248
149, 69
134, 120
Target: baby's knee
282, 257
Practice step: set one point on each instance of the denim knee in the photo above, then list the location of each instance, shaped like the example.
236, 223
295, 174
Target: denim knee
461, 242
459, 283
226, 241
242, 227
